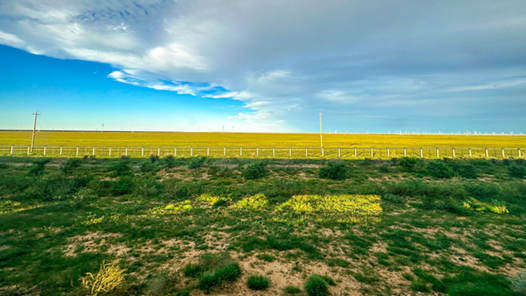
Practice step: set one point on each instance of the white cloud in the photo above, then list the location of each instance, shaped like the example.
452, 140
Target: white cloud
286, 60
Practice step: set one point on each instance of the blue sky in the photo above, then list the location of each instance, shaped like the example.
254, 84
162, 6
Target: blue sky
369, 66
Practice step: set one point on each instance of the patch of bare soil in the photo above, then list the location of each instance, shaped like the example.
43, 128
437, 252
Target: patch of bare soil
87, 241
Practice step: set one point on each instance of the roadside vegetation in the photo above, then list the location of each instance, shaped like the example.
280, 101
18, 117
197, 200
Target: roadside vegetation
196, 226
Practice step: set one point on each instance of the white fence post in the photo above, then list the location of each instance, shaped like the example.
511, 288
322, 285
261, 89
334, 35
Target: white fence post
486, 152
273, 152
61, 150
77, 151
355, 152
338, 152
453, 150
307, 152
28, 148
207, 151
191, 151
290, 152
12, 149
519, 152
438, 154
322, 152
388, 152
109, 153
142, 151
93, 151
126, 151
175, 151
224, 151
158, 151
45, 150
469, 152
503, 153
372, 153
240, 151
421, 153
257, 151
405, 152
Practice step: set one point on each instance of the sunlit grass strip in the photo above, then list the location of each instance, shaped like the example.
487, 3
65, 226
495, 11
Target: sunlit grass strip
9, 207
252, 203
480, 206
171, 209
340, 208
212, 200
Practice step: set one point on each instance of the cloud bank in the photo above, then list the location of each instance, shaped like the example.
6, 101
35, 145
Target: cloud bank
382, 64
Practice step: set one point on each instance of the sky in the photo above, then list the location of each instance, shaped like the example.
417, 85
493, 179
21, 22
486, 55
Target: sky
264, 66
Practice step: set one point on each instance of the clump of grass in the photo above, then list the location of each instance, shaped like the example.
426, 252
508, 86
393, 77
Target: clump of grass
338, 262
333, 171
193, 271
291, 290
227, 273
316, 286
255, 170
106, 280
258, 282
518, 282
169, 161
71, 164
266, 257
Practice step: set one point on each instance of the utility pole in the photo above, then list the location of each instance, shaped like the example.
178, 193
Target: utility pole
102, 130
34, 127
321, 135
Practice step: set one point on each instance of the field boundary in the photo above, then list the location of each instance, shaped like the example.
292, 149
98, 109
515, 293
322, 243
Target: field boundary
263, 152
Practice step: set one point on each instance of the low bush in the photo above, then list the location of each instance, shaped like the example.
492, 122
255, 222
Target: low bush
333, 171
122, 168
258, 282
170, 161
255, 170
122, 187
196, 163
228, 273
393, 198
517, 171
193, 271
316, 286
71, 164
440, 169
153, 158
38, 167
408, 163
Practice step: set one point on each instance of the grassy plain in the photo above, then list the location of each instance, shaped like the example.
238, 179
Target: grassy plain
168, 139
169, 226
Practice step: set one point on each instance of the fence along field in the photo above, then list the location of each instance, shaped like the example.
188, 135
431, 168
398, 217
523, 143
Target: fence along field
280, 145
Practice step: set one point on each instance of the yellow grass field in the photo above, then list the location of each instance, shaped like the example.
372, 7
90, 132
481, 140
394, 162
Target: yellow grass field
204, 139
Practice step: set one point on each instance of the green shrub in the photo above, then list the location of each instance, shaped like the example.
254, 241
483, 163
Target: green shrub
291, 290
409, 163
193, 271
55, 187
316, 286
38, 167
170, 161
469, 283
393, 198
122, 186
122, 168
328, 280
440, 169
333, 171
196, 163
255, 170
153, 158
517, 171
467, 171
71, 164
258, 282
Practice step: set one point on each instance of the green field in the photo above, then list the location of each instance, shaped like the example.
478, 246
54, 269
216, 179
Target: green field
196, 226
169, 139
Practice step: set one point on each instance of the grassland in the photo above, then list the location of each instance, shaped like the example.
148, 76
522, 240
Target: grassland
195, 226
168, 139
